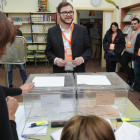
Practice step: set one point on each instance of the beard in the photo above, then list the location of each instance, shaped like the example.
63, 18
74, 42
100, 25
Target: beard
66, 22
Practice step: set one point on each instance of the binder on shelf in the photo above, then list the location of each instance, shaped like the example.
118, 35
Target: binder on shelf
29, 39
126, 29
133, 16
127, 17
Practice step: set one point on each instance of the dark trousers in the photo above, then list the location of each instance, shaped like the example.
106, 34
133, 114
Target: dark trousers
137, 76
110, 66
126, 58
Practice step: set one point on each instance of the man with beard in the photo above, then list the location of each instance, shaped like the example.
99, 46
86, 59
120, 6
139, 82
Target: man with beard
68, 44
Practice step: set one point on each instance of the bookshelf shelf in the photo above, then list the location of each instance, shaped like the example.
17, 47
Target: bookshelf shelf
127, 21
25, 22
26, 32
44, 22
28, 42
42, 12
39, 42
40, 32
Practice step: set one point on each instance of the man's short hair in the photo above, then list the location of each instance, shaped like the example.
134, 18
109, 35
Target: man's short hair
135, 19
63, 4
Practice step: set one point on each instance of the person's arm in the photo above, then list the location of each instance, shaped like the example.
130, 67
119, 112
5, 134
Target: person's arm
6, 133
136, 47
121, 45
18, 91
88, 49
105, 44
49, 49
94, 36
11, 91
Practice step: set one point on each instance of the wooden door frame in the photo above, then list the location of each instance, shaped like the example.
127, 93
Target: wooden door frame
113, 19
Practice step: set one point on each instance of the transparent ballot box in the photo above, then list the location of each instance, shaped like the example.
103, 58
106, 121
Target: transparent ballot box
17, 52
101, 94
52, 99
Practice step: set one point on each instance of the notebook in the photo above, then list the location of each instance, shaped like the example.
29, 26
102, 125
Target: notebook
57, 134
34, 131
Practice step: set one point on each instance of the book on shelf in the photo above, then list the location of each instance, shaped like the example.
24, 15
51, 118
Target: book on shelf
126, 29
41, 28
133, 16
43, 18
21, 19
29, 39
38, 28
25, 29
39, 38
53, 17
127, 17
37, 18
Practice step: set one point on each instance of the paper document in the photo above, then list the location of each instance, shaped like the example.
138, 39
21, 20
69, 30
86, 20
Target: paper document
20, 121
105, 98
50, 100
90, 108
19, 114
128, 132
34, 131
49, 81
57, 134
92, 80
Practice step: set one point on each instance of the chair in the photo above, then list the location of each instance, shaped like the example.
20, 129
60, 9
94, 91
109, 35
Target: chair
41, 54
31, 53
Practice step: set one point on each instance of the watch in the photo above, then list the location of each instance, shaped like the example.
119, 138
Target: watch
95, 2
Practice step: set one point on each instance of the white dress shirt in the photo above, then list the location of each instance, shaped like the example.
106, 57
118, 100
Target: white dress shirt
67, 33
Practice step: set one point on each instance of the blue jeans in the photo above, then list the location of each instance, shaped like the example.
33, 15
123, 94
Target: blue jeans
22, 73
136, 85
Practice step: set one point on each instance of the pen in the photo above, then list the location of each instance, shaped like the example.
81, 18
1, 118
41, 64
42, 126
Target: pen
133, 121
27, 137
115, 126
39, 125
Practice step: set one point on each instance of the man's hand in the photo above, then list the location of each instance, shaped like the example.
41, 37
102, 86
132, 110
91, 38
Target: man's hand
12, 105
60, 62
78, 61
27, 87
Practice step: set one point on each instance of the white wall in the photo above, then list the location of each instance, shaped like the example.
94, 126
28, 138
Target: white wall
125, 3
104, 4
28, 5
85, 15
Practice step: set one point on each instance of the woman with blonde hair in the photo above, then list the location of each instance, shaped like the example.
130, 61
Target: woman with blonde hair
87, 128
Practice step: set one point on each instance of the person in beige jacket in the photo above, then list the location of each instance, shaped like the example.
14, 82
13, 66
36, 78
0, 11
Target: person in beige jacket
95, 37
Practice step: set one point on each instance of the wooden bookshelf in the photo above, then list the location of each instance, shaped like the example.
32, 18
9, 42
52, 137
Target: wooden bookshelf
26, 24
124, 11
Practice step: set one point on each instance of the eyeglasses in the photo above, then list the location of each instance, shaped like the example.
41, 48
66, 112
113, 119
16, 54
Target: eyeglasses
65, 13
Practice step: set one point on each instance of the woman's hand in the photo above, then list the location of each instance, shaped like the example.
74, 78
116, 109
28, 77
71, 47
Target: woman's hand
27, 87
12, 105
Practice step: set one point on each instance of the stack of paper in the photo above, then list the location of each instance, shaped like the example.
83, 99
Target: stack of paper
92, 80
128, 132
56, 135
90, 108
34, 131
49, 81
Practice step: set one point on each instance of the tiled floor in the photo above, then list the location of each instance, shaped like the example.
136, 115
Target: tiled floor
92, 66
